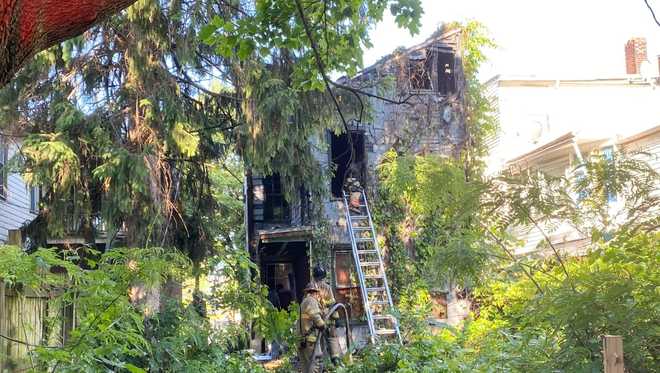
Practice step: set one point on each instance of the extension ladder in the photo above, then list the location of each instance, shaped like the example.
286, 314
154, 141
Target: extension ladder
376, 296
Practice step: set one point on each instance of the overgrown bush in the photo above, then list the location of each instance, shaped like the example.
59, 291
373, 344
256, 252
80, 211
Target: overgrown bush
111, 330
613, 290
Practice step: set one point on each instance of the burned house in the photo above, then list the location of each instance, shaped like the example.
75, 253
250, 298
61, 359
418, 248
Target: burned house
415, 100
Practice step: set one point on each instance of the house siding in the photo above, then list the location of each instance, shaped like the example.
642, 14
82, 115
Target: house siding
15, 209
563, 236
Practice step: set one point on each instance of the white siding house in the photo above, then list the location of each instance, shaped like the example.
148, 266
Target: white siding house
535, 111
547, 124
18, 201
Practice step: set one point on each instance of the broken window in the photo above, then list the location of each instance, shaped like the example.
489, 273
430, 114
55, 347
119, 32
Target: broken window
446, 76
433, 71
276, 209
347, 162
420, 71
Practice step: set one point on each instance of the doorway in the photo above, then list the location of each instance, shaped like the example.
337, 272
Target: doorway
285, 270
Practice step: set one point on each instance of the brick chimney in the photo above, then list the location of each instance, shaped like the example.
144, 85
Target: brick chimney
635, 54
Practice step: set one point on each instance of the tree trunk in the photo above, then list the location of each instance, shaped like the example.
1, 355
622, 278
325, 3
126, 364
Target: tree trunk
30, 26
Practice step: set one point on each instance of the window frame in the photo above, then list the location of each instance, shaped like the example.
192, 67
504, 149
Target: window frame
353, 287
4, 175
436, 80
360, 158
274, 197
426, 74
34, 199
440, 74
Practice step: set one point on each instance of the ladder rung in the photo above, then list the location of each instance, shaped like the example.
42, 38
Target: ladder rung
380, 303
369, 264
361, 228
377, 289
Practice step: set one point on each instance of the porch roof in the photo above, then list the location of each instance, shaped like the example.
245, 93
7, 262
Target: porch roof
288, 234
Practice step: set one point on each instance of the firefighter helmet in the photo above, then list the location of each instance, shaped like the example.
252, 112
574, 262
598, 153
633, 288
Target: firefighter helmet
318, 272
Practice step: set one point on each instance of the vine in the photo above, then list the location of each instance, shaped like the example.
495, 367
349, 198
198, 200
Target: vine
429, 205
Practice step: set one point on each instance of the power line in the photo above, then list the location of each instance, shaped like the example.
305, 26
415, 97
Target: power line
652, 12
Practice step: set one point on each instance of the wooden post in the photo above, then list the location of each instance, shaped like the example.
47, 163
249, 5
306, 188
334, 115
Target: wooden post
613, 354
3, 328
13, 238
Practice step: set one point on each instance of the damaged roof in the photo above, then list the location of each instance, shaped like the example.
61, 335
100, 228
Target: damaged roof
439, 39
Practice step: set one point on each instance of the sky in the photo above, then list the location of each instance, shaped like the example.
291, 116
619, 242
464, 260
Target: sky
551, 38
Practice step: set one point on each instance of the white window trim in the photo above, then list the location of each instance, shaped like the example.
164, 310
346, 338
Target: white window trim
4, 176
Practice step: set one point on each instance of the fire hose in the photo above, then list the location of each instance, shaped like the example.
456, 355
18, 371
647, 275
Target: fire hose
332, 310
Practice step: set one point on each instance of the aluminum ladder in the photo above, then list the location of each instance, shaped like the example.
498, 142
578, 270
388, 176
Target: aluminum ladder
376, 296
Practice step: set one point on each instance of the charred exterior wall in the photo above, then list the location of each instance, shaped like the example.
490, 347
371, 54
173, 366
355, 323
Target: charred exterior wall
418, 110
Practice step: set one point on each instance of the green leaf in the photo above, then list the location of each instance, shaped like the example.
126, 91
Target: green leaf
133, 369
245, 48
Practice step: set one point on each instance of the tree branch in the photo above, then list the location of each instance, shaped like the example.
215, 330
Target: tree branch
554, 249
652, 12
29, 27
515, 260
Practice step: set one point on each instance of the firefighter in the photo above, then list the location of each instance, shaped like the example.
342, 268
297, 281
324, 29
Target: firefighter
310, 325
327, 301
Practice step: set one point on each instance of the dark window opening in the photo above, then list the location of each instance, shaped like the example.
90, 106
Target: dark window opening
420, 74
347, 163
276, 209
446, 76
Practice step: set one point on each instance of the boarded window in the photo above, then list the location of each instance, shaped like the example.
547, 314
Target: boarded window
348, 289
276, 209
